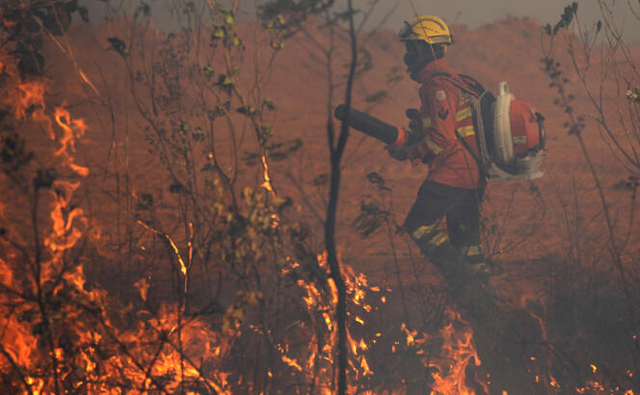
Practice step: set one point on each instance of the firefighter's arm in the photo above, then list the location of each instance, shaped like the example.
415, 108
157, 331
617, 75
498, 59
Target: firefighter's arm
438, 121
401, 149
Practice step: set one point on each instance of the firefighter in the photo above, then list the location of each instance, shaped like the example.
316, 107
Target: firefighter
454, 187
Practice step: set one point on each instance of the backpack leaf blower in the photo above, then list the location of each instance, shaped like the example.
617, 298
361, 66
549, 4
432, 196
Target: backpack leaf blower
510, 131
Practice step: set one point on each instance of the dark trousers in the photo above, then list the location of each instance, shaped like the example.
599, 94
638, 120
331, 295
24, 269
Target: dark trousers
460, 207
457, 254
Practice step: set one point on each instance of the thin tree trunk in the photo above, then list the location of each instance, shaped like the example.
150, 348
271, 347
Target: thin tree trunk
330, 226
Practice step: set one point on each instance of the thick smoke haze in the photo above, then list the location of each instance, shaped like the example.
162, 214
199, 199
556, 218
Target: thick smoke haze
390, 14
474, 13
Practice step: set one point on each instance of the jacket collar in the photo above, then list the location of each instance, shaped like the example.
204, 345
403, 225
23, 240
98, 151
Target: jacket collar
434, 67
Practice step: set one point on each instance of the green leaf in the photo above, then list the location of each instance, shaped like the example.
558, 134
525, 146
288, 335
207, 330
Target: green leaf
143, 9
557, 27
370, 218
118, 45
176, 187
184, 127
247, 110
266, 129
228, 19
281, 151
251, 158
569, 13
220, 110
84, 13
146, 201
208, 71
269, 104
198, 134
321, 179
218, 34
32, 63
57, 19
225, 83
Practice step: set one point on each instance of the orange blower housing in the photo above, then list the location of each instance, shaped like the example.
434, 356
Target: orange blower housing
525, 127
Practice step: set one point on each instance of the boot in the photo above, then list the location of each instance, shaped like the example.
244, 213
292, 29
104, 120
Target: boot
468, 283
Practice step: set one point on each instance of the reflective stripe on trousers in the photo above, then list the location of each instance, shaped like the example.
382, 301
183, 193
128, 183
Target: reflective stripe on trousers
429, 237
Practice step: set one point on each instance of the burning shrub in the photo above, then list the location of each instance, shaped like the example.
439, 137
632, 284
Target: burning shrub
65, 334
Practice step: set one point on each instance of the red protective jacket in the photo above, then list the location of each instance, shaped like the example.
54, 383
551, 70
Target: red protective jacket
444, 109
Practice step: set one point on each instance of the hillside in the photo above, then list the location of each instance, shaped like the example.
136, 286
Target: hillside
542, 234
531, 228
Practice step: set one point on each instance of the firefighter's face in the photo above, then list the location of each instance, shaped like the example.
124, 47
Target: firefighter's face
417, 55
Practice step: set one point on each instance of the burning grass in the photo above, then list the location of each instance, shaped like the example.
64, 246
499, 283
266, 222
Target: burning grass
256, 318
63, 334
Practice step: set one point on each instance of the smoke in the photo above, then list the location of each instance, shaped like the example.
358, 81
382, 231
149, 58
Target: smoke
391, 14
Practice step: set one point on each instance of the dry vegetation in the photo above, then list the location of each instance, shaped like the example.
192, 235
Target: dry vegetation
164, 200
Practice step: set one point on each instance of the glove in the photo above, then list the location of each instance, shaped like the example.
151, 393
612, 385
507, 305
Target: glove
412, 114
398, 152
415, 125
403, 152
420, 153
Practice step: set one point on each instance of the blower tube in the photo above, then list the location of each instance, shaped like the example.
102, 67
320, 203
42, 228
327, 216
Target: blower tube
373, 127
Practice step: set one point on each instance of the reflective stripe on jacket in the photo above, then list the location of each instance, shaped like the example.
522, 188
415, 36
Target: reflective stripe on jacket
444, 110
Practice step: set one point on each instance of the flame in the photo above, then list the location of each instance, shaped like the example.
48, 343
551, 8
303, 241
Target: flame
28, 96
456, 352
292, 362
142, 286
160, 352
116, 350
321, 304
45, 301
73, 129
64, 235
267, 178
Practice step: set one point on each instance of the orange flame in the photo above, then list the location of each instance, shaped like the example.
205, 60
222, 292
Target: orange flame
73, 129
165, 351
97, 364
456, 352
28, 96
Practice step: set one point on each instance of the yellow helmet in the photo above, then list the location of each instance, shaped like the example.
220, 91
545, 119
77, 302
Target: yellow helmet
428, 28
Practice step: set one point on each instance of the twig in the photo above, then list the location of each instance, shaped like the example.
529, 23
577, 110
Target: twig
182, 267
16, 367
